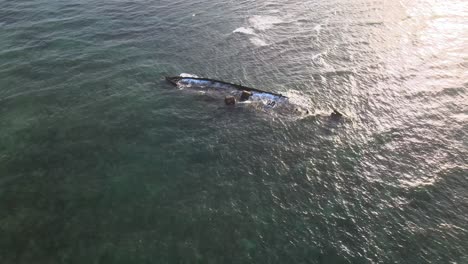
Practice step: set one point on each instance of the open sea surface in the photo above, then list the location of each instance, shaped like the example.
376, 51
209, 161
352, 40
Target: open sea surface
102, 161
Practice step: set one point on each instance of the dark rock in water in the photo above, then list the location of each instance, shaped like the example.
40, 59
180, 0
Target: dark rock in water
245, 95
230, 100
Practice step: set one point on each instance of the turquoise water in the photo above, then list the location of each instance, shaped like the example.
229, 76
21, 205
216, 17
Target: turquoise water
102, 161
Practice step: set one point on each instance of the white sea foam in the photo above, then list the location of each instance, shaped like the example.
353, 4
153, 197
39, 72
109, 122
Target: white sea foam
461, 117
317, 28
264, 22
258, 42
188, 75
316, 56
244, 30
257, 24
299, 98
320, 57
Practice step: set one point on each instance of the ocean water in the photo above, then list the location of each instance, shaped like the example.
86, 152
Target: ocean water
102, 161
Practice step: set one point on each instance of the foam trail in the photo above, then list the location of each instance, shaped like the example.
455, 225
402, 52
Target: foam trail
243, 30
264, 22
258, 42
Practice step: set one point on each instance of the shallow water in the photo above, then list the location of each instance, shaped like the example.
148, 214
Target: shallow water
101, 161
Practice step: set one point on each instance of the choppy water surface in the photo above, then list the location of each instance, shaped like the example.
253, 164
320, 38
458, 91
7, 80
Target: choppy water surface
101, 161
